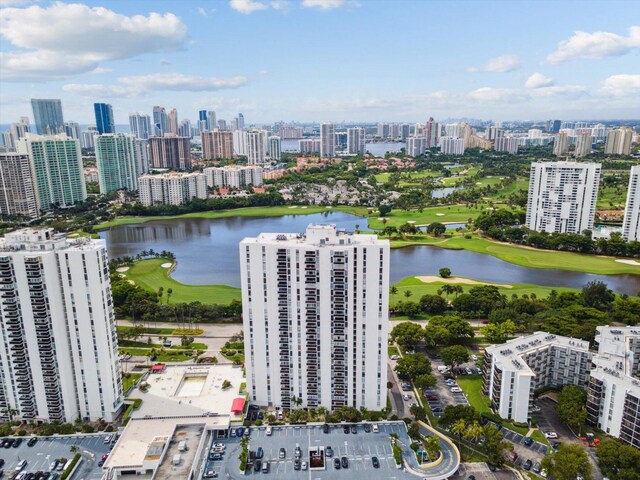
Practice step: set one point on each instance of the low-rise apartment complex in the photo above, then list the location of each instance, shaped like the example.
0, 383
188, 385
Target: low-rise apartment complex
233, 176
613, 399
516, 369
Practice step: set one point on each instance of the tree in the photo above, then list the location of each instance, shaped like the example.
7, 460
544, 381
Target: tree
384, 210
186, 340
433, 304
447, 330
436, 228
459, 428
597, 295
418, 412
169, 293
407, 293
226, 384
445, 272
568, 463
453, 413
571, 406
498, 332
412, 365
432, 445
393, 290
407, 334
425, 381
494, 445
618, 461
454, 355
474, 432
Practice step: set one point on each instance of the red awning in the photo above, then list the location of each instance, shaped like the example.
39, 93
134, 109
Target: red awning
159, 367
237, 405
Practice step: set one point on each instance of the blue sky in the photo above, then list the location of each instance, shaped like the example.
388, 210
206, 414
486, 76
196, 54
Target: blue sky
324, 60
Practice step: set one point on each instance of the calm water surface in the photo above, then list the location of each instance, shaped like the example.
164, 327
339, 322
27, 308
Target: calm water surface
208, 253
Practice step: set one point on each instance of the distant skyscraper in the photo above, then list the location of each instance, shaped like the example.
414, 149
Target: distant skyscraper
561, 144
59, 359
184, 129
172, 122
217, 144
160, 121
619, 141
275, 149
202, 121
432, 133
211, 120
140, 126
584, 142
234, 124
72, 129
555, 126
256, 147
119, 163
355, 140
383, 131
562, 196
104, 118
494, 132
327, 140
309, 146
17, 190
240, 121
222, 124
631, 224
170, 151
47, 114
19, 130
56, 163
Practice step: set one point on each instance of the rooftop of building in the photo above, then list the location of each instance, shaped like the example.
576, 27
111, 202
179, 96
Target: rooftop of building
618, 348
318, 235
44, 239
509, 354
190, 390
172, 174
150, 442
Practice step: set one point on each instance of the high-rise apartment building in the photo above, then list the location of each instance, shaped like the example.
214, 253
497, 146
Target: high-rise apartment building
327, 140
494, 132
234, 176
72, 129
506, 144
288, 132
315, 309
160, 121
174, 188
217, 144
275, 147
59, 356
584, 141
432, 132
170, 151
555, 125
104, 118
355, 140
619, 141
309, 146
416, 146
561, 144
513, 371
240, 120
202, 121
222, 124
405, 131
562, 196
452, 145
613, 398
17, 189
118, 161
184, 129
172, 122
140, 126
383, 131
56, 163
87, 139
631, 223
47, 115
20, 129
256, 146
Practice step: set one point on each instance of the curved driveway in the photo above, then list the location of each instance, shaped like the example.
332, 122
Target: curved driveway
450, 457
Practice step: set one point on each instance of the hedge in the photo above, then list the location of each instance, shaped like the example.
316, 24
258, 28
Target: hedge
71, 466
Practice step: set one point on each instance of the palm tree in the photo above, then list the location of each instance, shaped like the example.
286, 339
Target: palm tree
169, 292
393, 290
448, 289
459, 428
474, 432
432, 444
407, 293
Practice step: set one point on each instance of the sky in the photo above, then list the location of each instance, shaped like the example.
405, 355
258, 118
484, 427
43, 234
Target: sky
324, 60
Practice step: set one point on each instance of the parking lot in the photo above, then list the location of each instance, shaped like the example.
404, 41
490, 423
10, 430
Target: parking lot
47, 450
481, 471
358, 448
447, 391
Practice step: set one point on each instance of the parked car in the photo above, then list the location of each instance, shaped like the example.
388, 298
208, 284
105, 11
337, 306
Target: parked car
210, 474
303, 466
406, 397
527, 465
32, 441
296, 464
269, 431
375, 428
297, 452
257, 465
528, 441
367, 427
345, 462
282, 453
556, 445
328, 452
259, 452
376, 462
551, 435
345, 429
240, 431
491, 466
336, 463
536, 467
325, 428
354, 429
394, 357
17, 442
468, 371
455, 390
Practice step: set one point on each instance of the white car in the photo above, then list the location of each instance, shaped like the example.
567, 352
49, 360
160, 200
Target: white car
406, 397
394, 357
456, 390
269, 431
473, 357
374, 428
210, 474
551, 435
303, 465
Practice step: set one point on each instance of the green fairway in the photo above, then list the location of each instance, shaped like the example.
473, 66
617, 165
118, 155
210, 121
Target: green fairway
276, 211
418, 288
443, 214
611, 198
150, 275
526, 256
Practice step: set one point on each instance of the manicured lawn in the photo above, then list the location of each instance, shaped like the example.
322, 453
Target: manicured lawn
129, 380
418, 288
150, 275
384, 177
471, 385
538, 436
442, 214
611, 198
392, 351
276, 211
528, 257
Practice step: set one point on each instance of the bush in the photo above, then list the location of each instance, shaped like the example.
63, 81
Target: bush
71, 466
22, 433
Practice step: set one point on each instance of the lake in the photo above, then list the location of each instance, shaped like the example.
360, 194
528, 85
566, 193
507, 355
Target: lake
208, 254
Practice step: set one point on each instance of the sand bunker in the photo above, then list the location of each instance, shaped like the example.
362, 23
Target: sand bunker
122, 269
629, 262
131, 282
440, 214
454, 280
293, 206
166, 265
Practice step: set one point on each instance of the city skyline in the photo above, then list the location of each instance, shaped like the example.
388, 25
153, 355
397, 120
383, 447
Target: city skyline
523, 63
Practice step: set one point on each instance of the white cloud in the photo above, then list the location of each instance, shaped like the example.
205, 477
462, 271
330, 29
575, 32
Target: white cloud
282, 5
566, 91
502, 64
538, 80
621, 85
13, 3
67, 39
140, 84
247, 6
595, 46
496, 95
323, 4
100, 70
